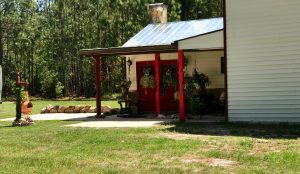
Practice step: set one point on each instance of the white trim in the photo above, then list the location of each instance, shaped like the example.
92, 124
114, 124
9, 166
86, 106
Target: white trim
265, 119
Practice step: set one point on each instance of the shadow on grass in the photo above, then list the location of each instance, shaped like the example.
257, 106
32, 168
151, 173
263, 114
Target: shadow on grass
6, 126
278, 131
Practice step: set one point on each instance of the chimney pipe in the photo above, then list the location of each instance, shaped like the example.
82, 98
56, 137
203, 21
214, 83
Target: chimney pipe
158, 13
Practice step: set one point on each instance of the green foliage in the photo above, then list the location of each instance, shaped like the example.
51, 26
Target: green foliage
200, 79
189, 86
59, 89
197, 106
169, 76
147, 79
46, 35
200, 9
197, 78
124, 86
50, 86
18, 92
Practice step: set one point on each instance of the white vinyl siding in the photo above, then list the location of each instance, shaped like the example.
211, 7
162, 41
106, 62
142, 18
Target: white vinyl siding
263, 50
207, 41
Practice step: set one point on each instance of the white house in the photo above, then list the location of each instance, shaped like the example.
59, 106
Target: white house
261, 45
263, 60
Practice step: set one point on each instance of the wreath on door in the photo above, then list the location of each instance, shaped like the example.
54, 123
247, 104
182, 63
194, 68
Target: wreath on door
147, 79
169, 76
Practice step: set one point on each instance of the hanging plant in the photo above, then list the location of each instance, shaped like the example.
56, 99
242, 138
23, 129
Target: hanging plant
201, 80
186, 61
124, 85
147, 79
189, 86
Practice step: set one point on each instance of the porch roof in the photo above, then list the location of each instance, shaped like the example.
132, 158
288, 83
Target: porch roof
160, 37
129, 50
168, 33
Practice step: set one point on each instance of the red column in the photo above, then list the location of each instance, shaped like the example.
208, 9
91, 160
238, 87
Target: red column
181, 85
157, 82
98, 83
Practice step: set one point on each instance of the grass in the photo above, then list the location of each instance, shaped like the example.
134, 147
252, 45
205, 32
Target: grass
8, 109
48, 147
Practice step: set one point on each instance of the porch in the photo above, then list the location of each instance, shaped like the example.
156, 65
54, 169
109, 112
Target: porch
157, 43
207, 63
159, 99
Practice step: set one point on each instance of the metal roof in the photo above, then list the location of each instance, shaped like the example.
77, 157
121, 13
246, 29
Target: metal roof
168, 33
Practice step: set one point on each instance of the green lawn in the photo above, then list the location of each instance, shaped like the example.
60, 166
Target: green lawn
7, 109
47, 147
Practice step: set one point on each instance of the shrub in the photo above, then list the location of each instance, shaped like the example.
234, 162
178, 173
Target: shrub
197, 106
59, 89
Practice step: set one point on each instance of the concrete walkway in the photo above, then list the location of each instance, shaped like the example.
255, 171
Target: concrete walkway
113, 121
90, 120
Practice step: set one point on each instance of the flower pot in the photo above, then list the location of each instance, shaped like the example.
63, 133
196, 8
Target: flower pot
26, 105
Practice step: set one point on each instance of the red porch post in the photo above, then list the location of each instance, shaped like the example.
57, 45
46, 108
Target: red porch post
98, 83
157, 82
181, 85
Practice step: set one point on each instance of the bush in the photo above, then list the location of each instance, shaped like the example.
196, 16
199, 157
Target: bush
197, 106
59, 89
51, 87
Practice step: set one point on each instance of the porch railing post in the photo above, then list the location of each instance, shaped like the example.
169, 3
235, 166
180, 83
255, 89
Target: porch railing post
98, 84
157, 82
181, 85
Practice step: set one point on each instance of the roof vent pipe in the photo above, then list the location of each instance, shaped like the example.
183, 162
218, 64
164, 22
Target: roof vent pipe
158, 13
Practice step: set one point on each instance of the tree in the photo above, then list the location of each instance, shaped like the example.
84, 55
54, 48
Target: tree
42, 38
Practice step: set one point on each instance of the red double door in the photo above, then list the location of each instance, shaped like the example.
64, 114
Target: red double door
145, 73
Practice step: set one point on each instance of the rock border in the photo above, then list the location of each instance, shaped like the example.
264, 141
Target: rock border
106, 110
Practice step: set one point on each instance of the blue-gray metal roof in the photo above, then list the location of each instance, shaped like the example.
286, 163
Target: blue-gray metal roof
168, 33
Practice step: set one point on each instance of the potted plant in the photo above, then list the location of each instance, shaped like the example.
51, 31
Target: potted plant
124, 86
196, 99
201, 80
